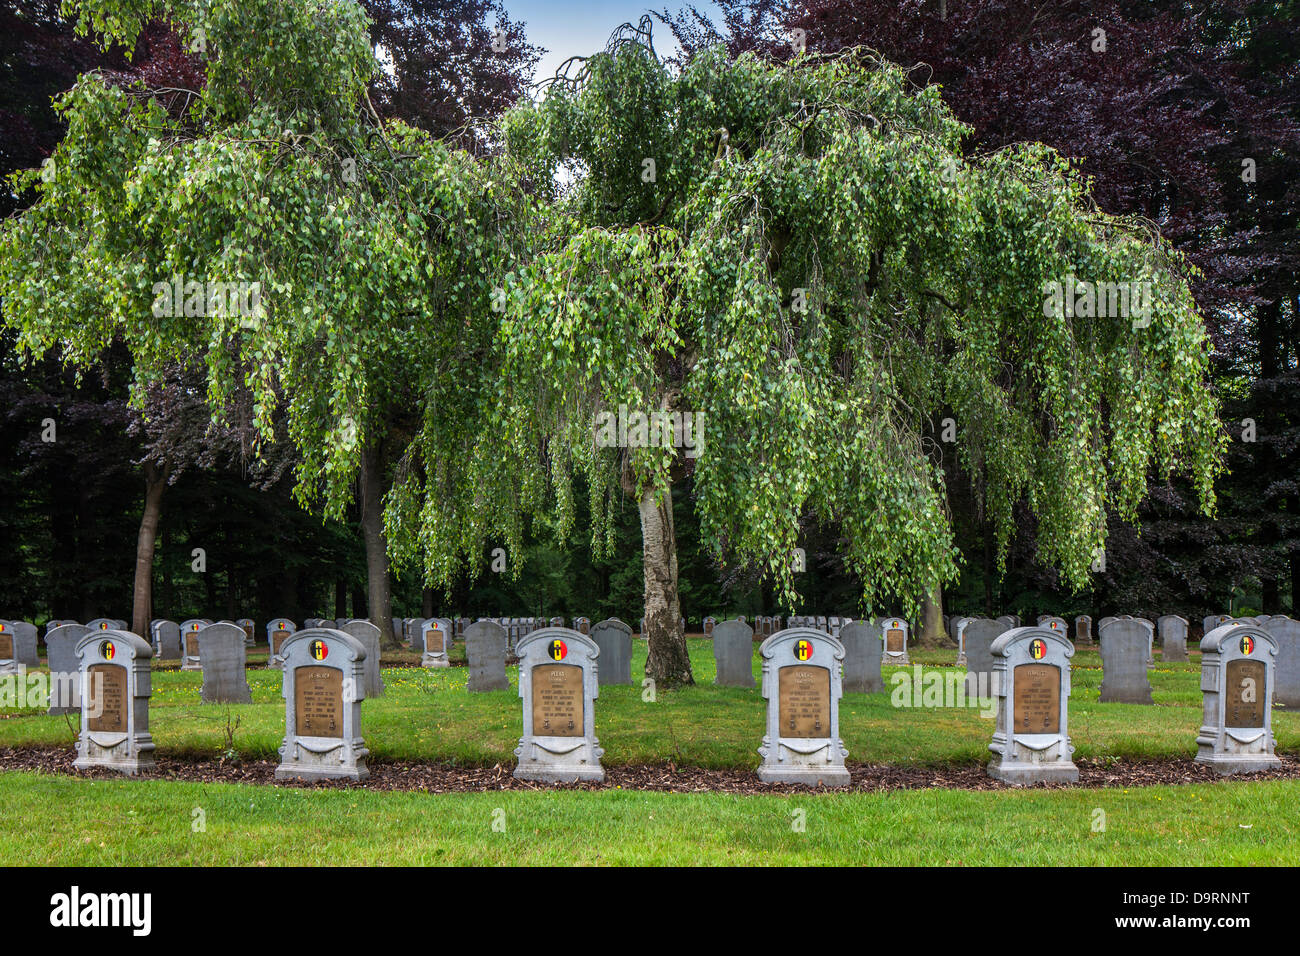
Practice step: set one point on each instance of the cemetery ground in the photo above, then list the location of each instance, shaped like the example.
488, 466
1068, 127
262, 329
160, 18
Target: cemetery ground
681, 786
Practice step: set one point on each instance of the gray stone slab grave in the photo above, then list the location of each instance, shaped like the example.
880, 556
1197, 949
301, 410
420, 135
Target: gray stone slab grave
190, 643
558, 686
324, 685
1083, 629
369, 636
1173, 637
1286, 670
18, 646
116, 686
485, 652
959, 625
223, 658
1031, 741
65, 672
802, 685
1237, 678
861, 642
979, 635
1124, 645
733, 654
614, 638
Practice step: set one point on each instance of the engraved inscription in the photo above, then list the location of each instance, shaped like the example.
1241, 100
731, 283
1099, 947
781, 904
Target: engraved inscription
6, 647
318, 701
1037, 699
1245, 694
107, 694
804, 701
894, 640
557, 700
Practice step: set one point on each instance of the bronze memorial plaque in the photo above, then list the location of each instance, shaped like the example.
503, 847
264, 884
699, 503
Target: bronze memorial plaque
1037, 699
107, 694
318, 701
278, 638
894, 640
6, 646
1243, 704
804, 701
557, 701
191, 643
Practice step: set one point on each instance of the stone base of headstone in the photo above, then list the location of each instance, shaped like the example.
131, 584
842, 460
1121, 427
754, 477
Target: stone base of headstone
558, 772
896, 660
435, 659
191, 666
961, 659
110, 758
1228, 764
308, 764
806, 774
1022, 773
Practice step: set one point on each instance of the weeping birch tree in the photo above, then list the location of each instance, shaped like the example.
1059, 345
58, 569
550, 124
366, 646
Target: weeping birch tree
801, 259
331, 270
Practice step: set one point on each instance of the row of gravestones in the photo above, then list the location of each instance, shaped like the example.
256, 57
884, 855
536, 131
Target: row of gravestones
804, 672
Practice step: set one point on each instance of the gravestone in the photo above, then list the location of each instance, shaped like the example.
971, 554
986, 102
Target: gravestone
709, 623
222, 657
1286, 669
246, 623
1008, 621
115, 688
582, 625
861, 642
614, 638
106, 624
979, 636
1237, 677
18, 644
802, 686
65, 672
278, 630
324, 684
1031, 743
894, 646
1151, 636
485, 651
190, 643
1083, 629
733, 654
368, 635
169, 640
1102, 623
557, 622
1057, 624
1124, 662
413, 632
434, 643
1173, 637
959, 626
558, 686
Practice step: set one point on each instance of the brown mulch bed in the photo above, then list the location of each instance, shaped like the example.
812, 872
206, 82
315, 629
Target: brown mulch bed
443, 778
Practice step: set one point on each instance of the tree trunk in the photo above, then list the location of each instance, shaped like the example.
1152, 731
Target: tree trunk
932, 632
340, 598
668, 664
426, 603
155, 482
380, 602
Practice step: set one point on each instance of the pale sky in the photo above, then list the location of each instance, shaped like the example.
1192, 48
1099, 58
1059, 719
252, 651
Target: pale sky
581, 27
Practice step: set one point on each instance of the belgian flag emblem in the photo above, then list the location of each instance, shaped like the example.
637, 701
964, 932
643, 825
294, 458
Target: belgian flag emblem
1037, 649
108, 650
557, 649
1247, 644
319, 650
103, 625
803, 650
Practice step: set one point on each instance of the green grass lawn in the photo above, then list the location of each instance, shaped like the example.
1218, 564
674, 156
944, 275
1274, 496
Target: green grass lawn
107, 822
427, 715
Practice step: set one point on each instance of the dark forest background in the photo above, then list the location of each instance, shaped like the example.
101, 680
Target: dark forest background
1189, 116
